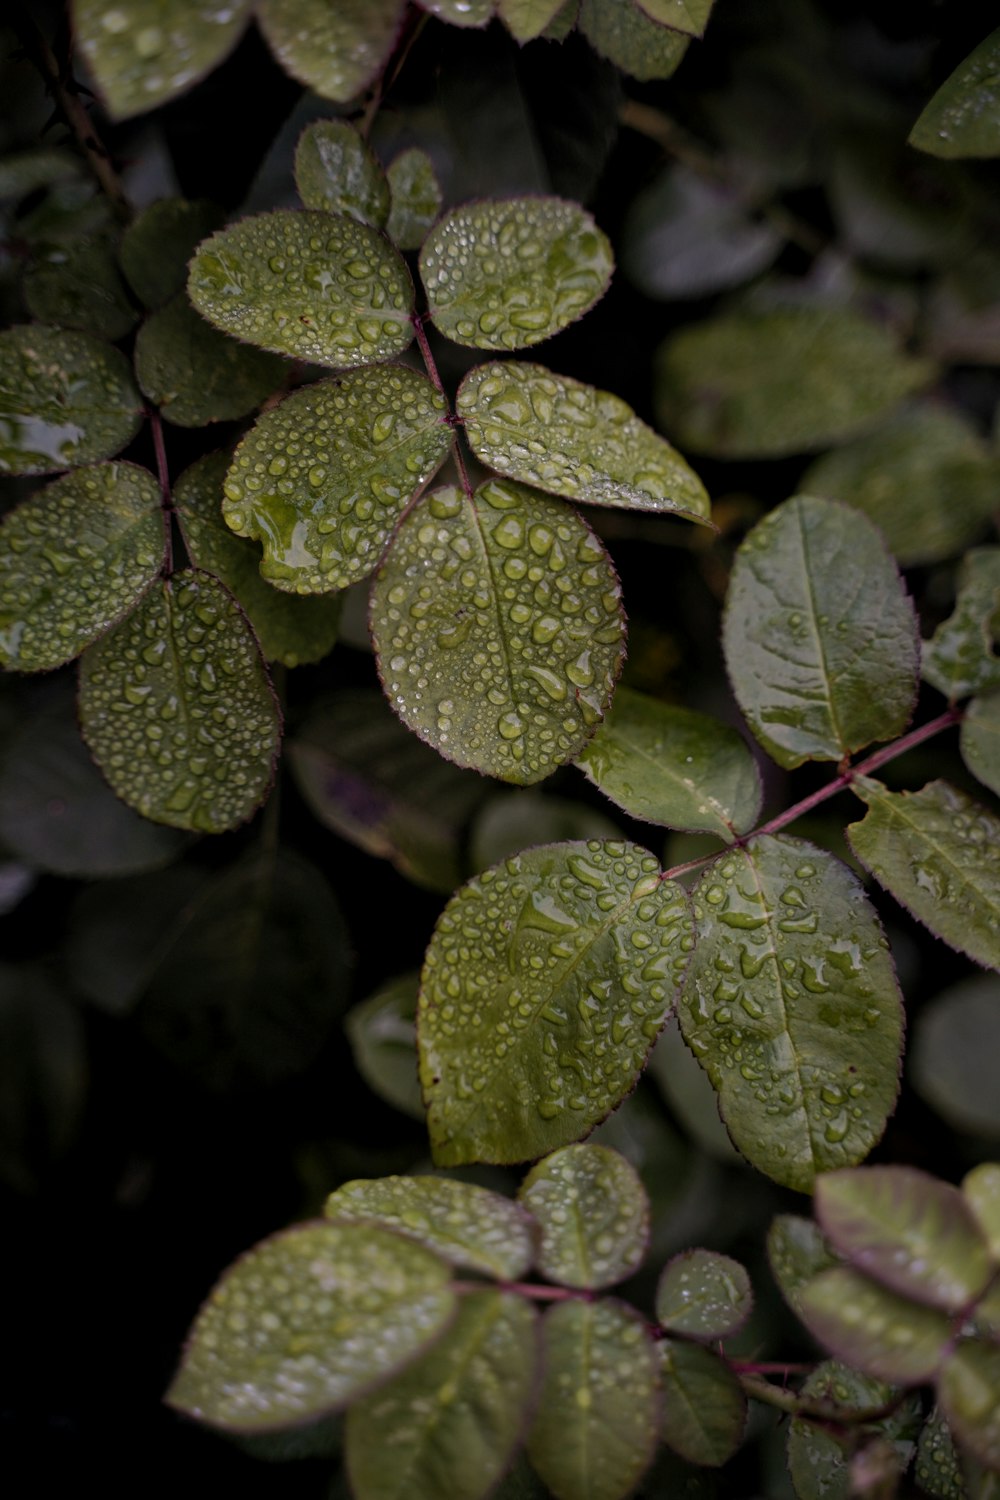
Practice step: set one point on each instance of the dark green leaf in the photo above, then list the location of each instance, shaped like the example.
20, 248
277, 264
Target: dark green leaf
24, 172
937, 1470
872, 1329
796, 1253
623, 33
383, 1036
43, 1076
527, 19
593, 1213
703, 1295
335, 49
336, 170
820, 635
196, 375
979, 739
819, 1456
981, 1188
159, 242
952, 1058
959, 659
969, 1393
512, 821
416, 198
690, 16
688, 1091
963, 117
704, 1408
544, 986
78, 285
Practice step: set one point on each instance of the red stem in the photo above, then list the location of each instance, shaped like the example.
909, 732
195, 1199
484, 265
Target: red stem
166, 494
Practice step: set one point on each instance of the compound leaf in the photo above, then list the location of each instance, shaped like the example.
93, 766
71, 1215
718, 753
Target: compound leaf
690, 16
382, 1032
959, 659
704, 1408
416, 198
593, 1213
623, 32
703, 1295
159, 242
196, 375
963, 117
336, 170
979, 739
336, 49
872, 1329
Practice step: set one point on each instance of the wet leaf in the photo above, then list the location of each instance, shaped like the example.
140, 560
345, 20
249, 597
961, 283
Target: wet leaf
177, 710
791, 1006
690, 16
74, 557
509, 272
819, 1457
593, 1213
336, 49
336, 170
309, 1321
598, 1412
963, 117
382, 1032
953, 1054
322, 479
416, 198
981, 1188
78, 285
674, 766
703, 1295
66, 399
797, 1251
290, 630
872, 1329
969, 1393
769, 382
313, 285
512, 821
196, 375
960, 658
143, 52
545, 984
461, 12
623, 33
43, 1076
527, 19
449, 1424
572, 440
159, 242
497, 623
979, 739
467, 1226
704, 1408
938, 1469
938, 853
820, 635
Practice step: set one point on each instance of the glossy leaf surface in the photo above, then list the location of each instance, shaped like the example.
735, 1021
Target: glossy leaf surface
819, 1456
952, 1055
969, 1393
963, 117
336, 170
872, 1329
312, 285
79, 286
509, 272
938, 1468
704, 1409
622, 31
73, 558
176, 708
796, 1252
820, 636
792, 1008
572, 440
979, 739
690, 16
157, 245
544, 986
196, 375
415, 198
307, 1322
383, 1035
593, 1213
335, 49
322, 478
960, 658
498, 627
703, 1295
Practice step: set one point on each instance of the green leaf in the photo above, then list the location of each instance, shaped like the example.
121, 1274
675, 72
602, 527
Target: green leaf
796, 1251
690, 16
336, 170
873, 1329
527, 19
791, 1006
963, 117
938, 853
309, 1321
312, 285
322, 479
572, 440
674, 766
952, 1057
461, 12
177, 710
466, 1225
979, 739
545, 984
79, 286
598, 1411
196, 375
703, 1295
593, 1212
905, 476
704, 1408
509, 272
623, 33
969, 1393
416, 198
981, 1188
514, 820
960, 659
497, 622
449, 1424
769, 382
907, 1230
74, 557
938, 1470
290, 630
819, 1455
382, 1032
159, 242
66, 399
142, 53
820, 635
336, 49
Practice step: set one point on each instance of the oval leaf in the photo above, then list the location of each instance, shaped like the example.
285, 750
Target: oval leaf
820, 636
177, 710
497, 622
792, 1008
594, 1216
336, 170
577, 950
703, 1295
311, 285
507, 273
872, 1329
960, 658
194, 374
335, 49
969, 1393
979, 739
416, 198
322, 478
159, 242
704, 1408
962, 119
307, 1322
382, 1031
624, 33
80, 286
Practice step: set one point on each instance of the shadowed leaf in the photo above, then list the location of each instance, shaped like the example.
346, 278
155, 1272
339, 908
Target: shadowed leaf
335, 49
963, 117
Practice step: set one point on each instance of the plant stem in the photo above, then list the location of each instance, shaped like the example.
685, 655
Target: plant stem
451, 419
412, 29
166, 494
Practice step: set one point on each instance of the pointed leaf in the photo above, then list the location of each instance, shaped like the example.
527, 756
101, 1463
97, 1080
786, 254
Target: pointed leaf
79, 286
578, 951
938, 853
509, 272
335, 49
196, 375
703, 1295
791, 1006
960, 659
382, 1032
66, 399
593, 1213
820, 635
690, 16
969, 1393
527, 19
449, 1424
595, 1428
572, 440
819, 1454
416, 198
142, 52
322, 479
704, 1408
623, 33
963, 117
312, 285
797, 1251
177, 710
498, 627
872, 1329
952, 1057
159, 242
336, 170
74, 557
979, 739
938, 1469
674, 766
309, 1321
981, 1188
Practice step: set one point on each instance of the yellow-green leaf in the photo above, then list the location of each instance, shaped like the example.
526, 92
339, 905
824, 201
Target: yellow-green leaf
593, 1213
963, 117
336, 49
336, 170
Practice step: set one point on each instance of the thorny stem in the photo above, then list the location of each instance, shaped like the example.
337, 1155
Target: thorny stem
451, 419
816, 1411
